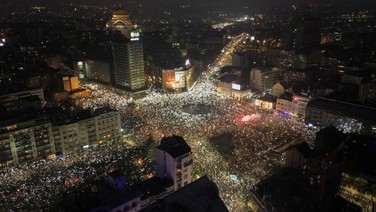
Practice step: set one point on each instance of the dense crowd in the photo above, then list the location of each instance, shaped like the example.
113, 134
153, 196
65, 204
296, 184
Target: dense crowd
254, 141
252, 154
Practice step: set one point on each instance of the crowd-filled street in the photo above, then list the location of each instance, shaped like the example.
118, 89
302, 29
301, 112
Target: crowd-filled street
255, 133
249, 156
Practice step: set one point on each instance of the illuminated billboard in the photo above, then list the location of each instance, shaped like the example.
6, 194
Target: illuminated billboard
179, 79
168, 79
174, 79
235, 86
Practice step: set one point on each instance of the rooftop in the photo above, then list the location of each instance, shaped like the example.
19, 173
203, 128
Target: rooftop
64, 118
111, 198
153, 187
174, 146
200, 195
352, 110
268, 98
286, 96
116, 174
102, 110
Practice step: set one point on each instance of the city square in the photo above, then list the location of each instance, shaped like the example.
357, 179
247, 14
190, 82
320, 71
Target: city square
255, 134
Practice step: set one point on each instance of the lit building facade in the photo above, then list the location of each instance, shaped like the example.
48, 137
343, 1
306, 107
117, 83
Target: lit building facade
127, 51
25, 141
70, 83
129, 62
174, 161
284, 104
267, 102
97, 70
299, 105
38, 137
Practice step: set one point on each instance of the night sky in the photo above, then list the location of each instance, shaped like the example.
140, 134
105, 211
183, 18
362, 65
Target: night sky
255, 3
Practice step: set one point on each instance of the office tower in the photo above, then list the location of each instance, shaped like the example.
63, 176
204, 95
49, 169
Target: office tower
129, 61
127, 50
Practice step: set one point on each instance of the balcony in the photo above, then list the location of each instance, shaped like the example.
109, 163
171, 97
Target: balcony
188, 163
178, 166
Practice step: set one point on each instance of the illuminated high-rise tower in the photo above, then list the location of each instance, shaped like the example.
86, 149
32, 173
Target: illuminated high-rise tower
128, 53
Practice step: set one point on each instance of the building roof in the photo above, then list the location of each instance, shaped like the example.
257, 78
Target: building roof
345, 109
116, 174
174, 146
102, 110
64, 118
305, 150
32, 98
200, 195
286, 96
229, 78
268, 98
111, 198
153, 187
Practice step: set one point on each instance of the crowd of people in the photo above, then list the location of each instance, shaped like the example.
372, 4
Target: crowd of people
42, 184
37, 185
254, 140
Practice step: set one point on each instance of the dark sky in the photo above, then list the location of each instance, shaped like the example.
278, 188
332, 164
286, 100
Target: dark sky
221, 4
249, 2
263, 3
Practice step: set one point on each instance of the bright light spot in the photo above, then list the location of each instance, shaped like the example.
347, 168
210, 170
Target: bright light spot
249, 118
233, 177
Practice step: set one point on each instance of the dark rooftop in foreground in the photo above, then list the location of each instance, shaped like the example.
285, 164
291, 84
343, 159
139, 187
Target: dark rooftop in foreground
153, 187
116, 174
174, 145
110, 198
199, 196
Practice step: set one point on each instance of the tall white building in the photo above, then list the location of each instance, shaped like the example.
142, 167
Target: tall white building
174, 161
